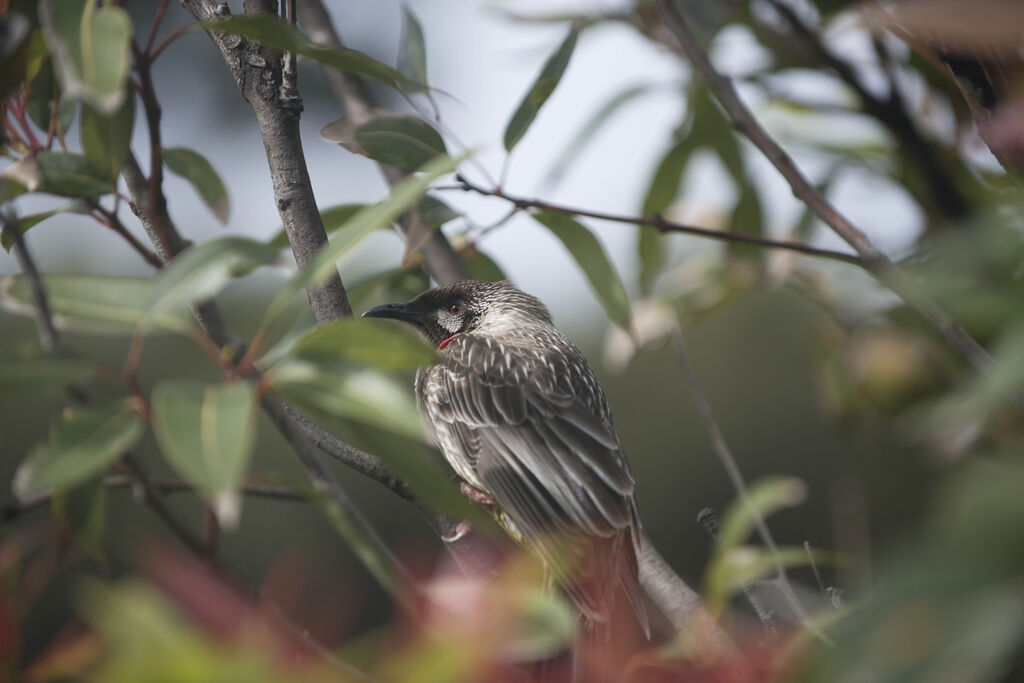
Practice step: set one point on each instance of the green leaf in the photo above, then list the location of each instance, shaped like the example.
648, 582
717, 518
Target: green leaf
89, 46
591, 257
200, 271
25, 223
763, 498
667, 177
106, 139
539, 92
405, 142
363, 341
207, 433
82, 443
743, 565
748, 219
68, 175
278, 34
92, 304
435, 213
23, 376
579, 142
193, 167
333, 218
347, 391
41, 94
412, 52
652, 252
365, 221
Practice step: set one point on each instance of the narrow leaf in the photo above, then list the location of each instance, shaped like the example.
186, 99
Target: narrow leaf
92, 304
193, 167
591, 257
25, 223
82, 443
68, 175
365, 221
207, 433
200, 271
363, 341
667, 177
333, 218
23, 376
762, 499
482, 267
405, 142
106, 139
278, 34
412, 51
652, 252
539, 92
435, 213
89, 46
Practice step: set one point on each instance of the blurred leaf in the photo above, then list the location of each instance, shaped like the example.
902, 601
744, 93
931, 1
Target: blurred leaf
434, 212
539, 92
41, 94
394, 284
278, 34
89, 45
82, 443
481, 266
365, 221
207, 433
667, 177
92, 304
107, 139
15, 30
24, 376
27, 222
384, 346
652, 252
412, 52
200, 271
85, 509
590, 129
729, 572
763, 498
591, 257
747, 219
347, 391
333, 218
10, 187
68, 175
194, 168
405, 142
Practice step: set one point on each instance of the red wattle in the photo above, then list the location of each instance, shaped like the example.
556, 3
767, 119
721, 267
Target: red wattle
445, 342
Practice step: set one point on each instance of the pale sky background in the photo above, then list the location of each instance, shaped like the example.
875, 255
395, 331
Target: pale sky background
486, 62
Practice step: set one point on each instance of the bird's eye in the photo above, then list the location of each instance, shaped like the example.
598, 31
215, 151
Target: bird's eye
455, 309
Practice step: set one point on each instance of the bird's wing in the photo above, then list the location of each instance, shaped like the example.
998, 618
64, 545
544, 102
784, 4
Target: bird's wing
554, 467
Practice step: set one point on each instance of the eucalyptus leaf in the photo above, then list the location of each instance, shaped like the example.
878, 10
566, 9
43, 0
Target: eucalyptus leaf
540, 91
207, 433
25, 223
365, 221
762, 499
193, 167
92, 304
363, 341
412, 51
652, 252
64, 174
333, 218
200, 271
82, 443
593, 260
482, 267
107, 139
89, 45
405, 142
667, 176
435, 212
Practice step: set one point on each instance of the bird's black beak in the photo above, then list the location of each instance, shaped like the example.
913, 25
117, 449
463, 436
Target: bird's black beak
393, 311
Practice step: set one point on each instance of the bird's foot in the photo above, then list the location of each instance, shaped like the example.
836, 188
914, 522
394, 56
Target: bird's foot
476, 495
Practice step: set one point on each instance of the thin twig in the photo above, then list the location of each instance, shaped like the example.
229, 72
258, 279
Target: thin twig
160, 10
661, 224
44, 321
873, 260
732, 470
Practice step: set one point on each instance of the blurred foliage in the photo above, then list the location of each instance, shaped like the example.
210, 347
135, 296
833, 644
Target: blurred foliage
908, 105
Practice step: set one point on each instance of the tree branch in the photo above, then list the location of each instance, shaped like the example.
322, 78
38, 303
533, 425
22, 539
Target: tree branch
874, 260
442, 260
663, 225
44, 321
257, 72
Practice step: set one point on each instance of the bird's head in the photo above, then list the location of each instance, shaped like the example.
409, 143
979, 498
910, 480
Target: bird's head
463, 307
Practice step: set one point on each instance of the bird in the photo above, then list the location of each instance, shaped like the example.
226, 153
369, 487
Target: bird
518, 413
